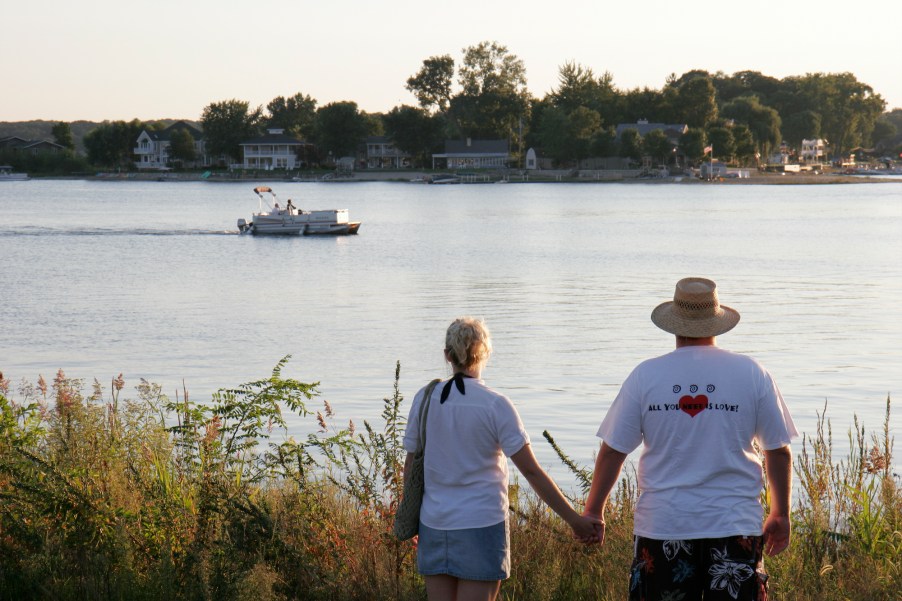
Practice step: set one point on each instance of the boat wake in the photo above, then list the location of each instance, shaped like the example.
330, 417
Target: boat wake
45, 231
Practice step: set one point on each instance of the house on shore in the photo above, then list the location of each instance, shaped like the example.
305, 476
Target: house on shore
30, 147
381, 153
152, 149
814, 151
275, 150
473, 154
673, 131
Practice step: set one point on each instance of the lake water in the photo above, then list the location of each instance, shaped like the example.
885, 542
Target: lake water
152, 280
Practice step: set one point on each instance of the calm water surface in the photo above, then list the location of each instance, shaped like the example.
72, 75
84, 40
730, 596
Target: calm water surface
152, 280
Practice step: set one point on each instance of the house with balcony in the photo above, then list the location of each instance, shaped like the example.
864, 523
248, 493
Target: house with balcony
473, 154
814, 152
275, 150
381, 153
152, 148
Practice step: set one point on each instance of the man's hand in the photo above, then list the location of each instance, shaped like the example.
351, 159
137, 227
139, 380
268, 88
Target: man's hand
776, 534
586, 529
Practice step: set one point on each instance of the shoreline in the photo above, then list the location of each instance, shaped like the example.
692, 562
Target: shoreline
552, 177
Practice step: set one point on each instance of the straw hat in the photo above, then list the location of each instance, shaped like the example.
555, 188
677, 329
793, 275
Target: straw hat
695, 311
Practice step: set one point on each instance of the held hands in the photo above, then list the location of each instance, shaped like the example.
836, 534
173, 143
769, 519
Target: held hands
776, 534
588, 530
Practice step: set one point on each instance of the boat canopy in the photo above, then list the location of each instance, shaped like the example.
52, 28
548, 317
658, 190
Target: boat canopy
261, 190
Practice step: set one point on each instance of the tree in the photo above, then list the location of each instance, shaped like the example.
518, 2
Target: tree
762, 121
432, 83
692, 145
339, 128
494, 100
658, 146
578, 87
181, 146
743, 144
227, 124
583, 125
414, 131
62, 135
631, 144
747, 83
848, 108
886, 130
604, 144
721, 140
294, 114
111, 144
804, 125
644, 103
695, 102
553, 135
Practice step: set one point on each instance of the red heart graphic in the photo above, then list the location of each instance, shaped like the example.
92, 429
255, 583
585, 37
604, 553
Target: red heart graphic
693, 405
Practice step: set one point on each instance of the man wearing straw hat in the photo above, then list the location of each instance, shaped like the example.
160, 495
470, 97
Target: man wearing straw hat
699, 412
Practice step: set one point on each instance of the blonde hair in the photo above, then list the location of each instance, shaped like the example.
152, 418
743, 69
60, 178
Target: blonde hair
468, 342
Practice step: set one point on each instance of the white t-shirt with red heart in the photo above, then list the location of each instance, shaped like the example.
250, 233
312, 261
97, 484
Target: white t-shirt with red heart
697, 411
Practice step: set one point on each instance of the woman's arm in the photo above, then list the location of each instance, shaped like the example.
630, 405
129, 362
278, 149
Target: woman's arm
583, 528
408, 461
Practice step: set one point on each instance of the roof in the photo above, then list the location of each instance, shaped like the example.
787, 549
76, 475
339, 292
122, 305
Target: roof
12, 142
45, 143
671, 130
166, 134
274, 139
17, 142
470, 147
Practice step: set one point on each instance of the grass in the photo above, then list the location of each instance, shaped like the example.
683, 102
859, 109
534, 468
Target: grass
103, 498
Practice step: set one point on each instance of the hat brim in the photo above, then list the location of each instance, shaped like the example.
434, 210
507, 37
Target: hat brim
664, 317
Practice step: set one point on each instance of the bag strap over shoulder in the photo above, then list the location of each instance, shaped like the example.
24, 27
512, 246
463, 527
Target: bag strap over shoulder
424, 412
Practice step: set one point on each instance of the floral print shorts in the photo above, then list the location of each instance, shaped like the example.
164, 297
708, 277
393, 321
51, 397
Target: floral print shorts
721, 569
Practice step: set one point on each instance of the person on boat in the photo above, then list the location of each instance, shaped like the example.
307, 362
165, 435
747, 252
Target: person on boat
276, 209
699, 412
463, 549
292, 210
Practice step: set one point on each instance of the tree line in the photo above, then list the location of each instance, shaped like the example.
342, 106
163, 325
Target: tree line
744, 116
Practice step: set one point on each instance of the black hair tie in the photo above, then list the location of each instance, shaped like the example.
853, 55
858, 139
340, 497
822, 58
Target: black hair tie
458, 381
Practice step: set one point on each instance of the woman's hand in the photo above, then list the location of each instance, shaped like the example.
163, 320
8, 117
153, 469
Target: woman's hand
588, 530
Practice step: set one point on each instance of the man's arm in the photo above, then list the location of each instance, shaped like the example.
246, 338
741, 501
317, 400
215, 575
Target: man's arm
778, 465
607, 470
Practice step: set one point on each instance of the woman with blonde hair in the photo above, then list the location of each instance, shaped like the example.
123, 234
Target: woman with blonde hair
464, 538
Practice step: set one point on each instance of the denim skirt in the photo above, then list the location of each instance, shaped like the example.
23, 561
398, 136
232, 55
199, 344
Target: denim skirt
469, 554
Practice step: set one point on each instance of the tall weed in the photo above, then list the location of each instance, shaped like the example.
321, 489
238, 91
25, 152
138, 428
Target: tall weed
103, 497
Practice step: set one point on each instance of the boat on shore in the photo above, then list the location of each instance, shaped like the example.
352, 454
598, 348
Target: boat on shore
444, 179
291, 221
8, 175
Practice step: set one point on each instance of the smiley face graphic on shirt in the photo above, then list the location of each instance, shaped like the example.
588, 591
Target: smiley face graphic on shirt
692, 403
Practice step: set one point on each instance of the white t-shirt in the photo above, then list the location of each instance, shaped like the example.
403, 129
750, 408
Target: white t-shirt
697, 410
468, 440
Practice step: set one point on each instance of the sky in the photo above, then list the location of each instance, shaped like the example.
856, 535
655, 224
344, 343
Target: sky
122, 59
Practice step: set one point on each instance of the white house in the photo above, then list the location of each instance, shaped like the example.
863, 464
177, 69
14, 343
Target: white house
152, 148
474, 154
814, 151
274, 150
